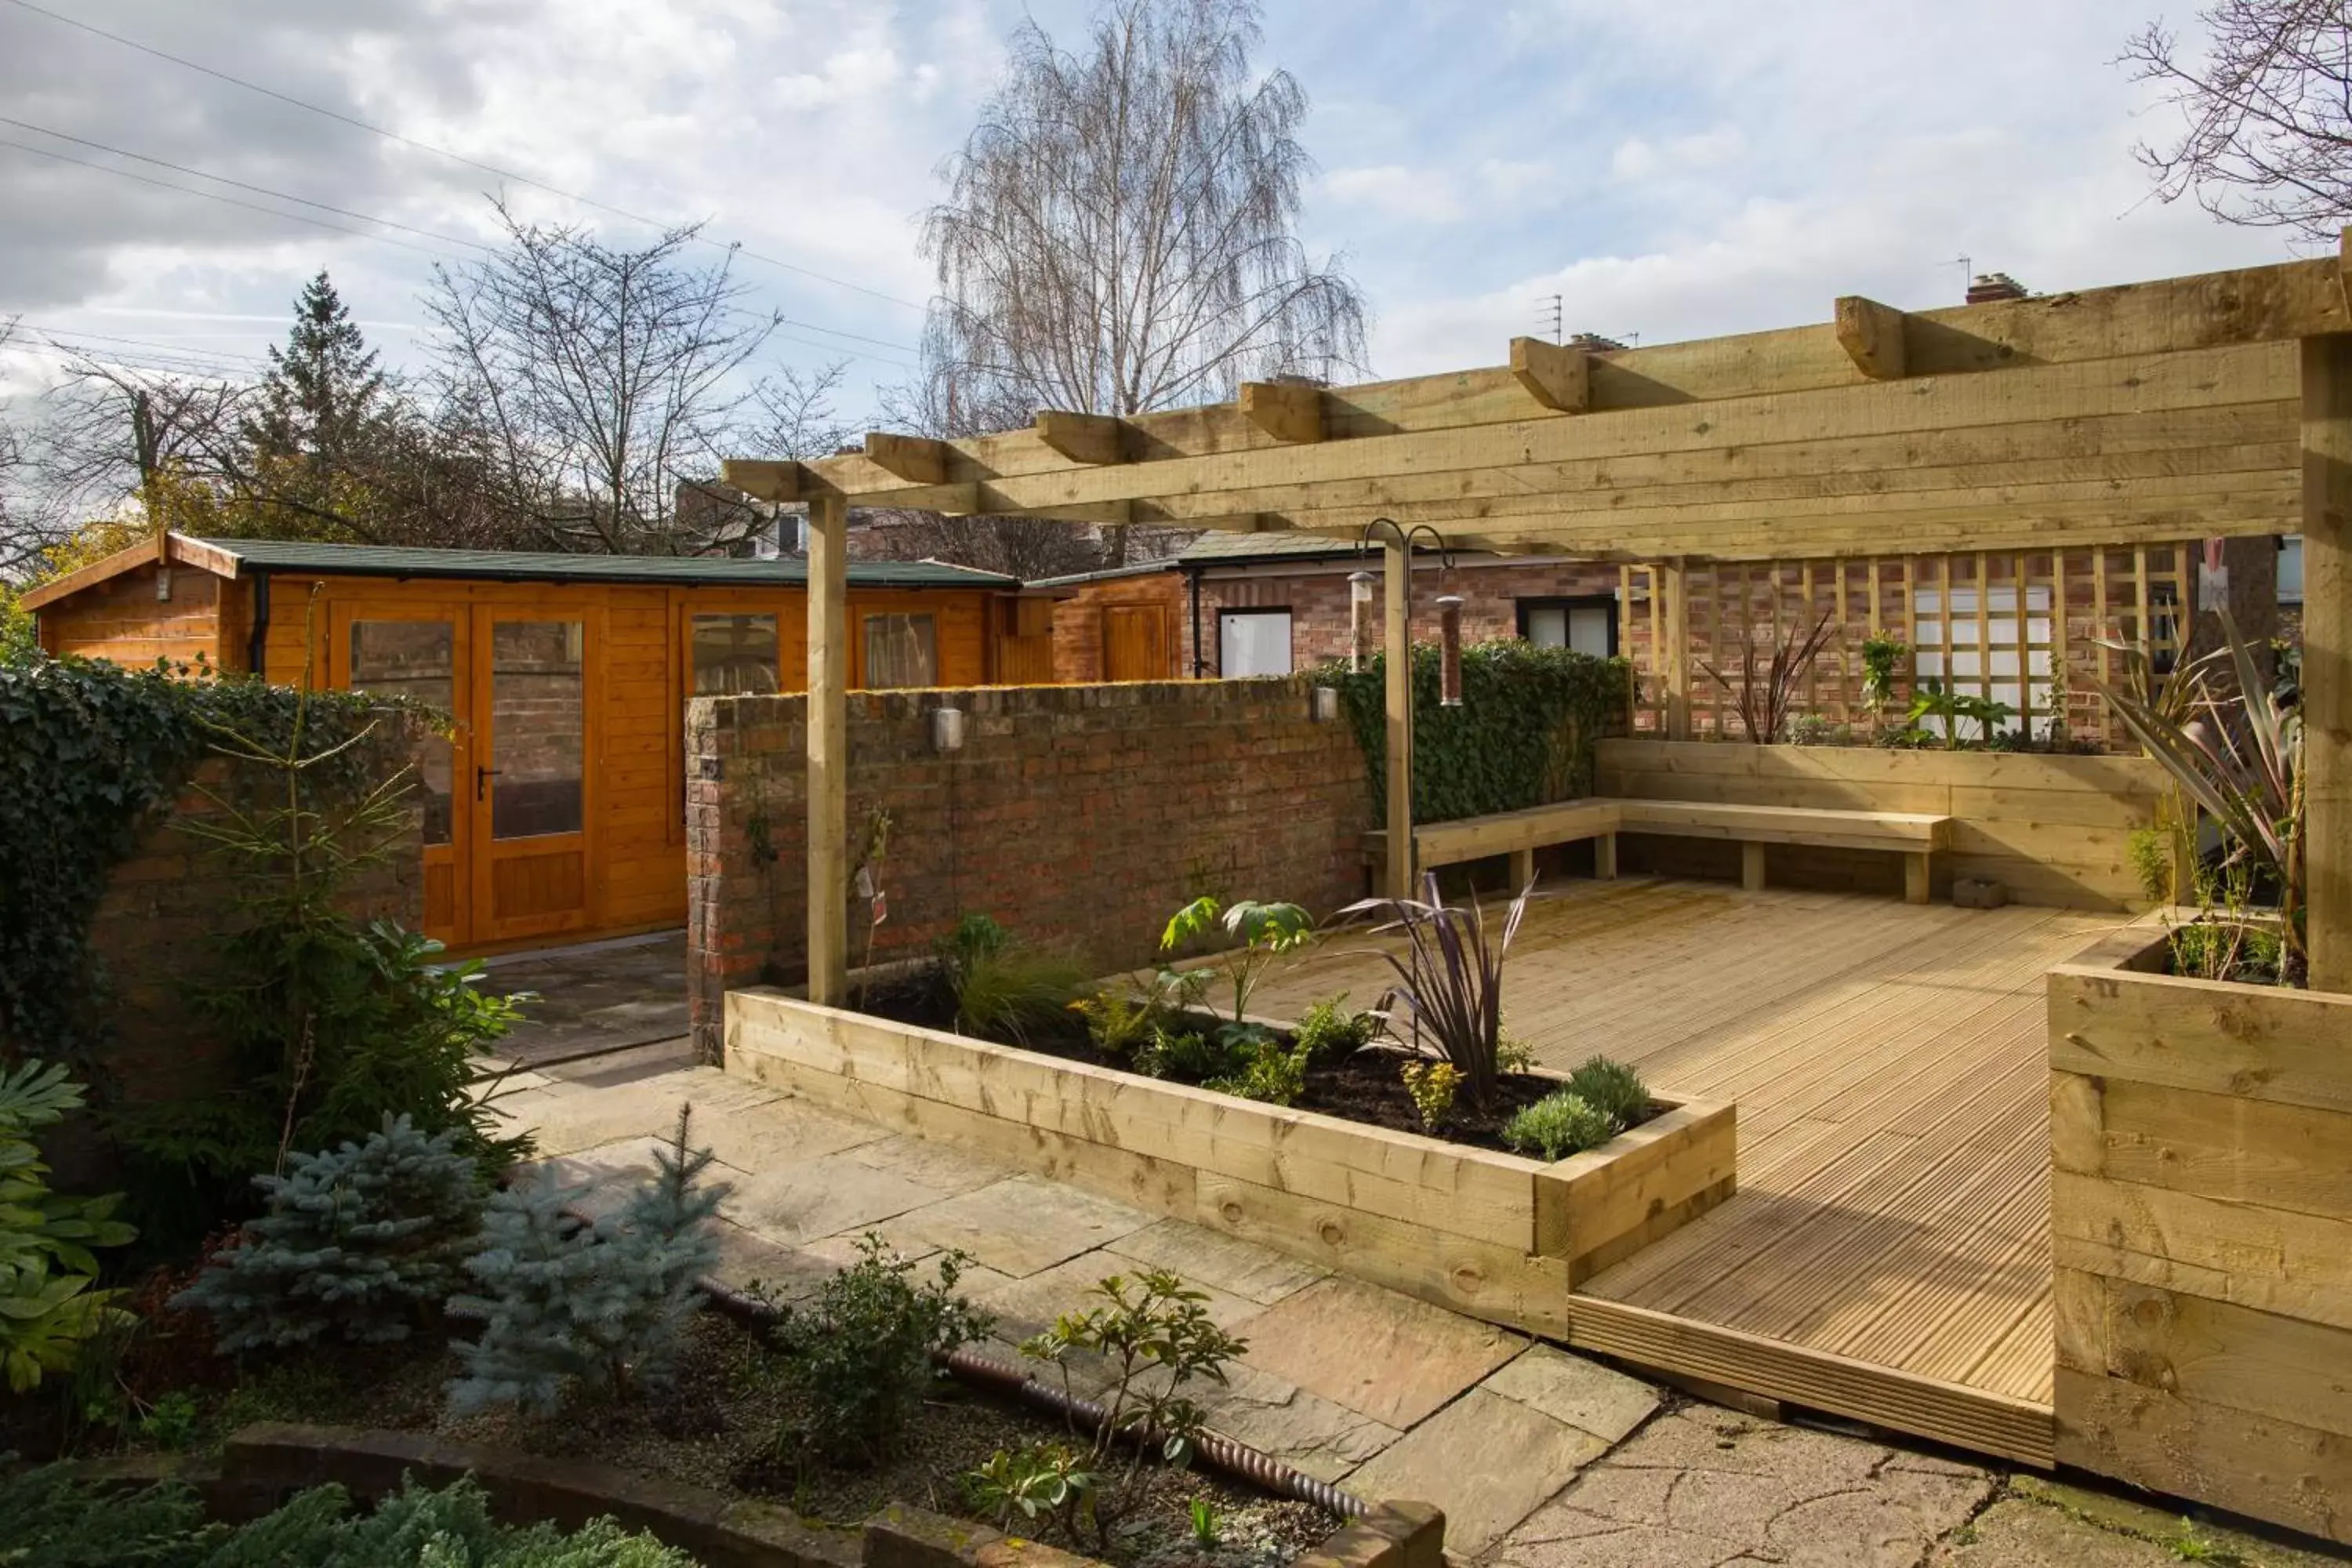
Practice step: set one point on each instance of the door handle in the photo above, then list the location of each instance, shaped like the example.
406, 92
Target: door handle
481, 780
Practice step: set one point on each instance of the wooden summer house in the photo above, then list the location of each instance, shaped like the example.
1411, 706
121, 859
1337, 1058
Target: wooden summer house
556, 809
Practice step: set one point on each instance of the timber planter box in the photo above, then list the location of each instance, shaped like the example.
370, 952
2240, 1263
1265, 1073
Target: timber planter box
2202, 1229
1489, 1234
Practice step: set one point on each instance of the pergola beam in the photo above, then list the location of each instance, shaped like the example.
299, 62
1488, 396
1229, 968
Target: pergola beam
777, 480
2001, 338
1290, 412
1082, 438
1872, 335
914, 459
1558, 378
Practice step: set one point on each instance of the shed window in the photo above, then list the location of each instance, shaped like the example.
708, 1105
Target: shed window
2290, 570
415, 659
901, 650
1586, 626
1253, 642
735, 655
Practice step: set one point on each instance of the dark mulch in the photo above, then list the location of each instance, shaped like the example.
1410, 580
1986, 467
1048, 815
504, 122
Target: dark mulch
716, 1428
1367, 1087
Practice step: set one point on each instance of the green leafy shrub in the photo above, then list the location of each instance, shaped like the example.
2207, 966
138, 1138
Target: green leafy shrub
1612, 1088
857, 1360
569, 1304
1188, 1056
1270, 1071
1264, 932
1559, 1124
54, 1521
1524, 734
1435, 1087
1153, 1336
358, 1242
1329, 1033
1121, 1023
50, 1304
1039, 1483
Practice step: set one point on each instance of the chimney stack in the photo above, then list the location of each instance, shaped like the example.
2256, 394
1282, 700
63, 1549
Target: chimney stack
1995, 286
1595, 343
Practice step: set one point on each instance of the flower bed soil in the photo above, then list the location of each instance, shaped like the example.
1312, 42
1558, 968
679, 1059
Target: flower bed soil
712, 1428
1367, 1087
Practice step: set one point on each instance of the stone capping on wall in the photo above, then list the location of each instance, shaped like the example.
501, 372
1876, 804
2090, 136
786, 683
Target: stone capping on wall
2202, 1234
261, 1465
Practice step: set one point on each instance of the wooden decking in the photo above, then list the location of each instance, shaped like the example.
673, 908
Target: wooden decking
1888, 1253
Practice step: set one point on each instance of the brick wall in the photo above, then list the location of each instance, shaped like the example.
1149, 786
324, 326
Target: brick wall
1078, 816
154, 933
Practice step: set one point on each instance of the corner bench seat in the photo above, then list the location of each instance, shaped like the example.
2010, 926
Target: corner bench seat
1915, 836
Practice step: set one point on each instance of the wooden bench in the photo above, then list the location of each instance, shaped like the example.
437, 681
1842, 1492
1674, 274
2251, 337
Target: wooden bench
1915, 836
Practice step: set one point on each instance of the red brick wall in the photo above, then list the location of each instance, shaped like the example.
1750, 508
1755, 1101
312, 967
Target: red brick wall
154, 933
1077, 816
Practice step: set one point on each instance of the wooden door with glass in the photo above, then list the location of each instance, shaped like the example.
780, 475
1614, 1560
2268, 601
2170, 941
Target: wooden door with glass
509, 796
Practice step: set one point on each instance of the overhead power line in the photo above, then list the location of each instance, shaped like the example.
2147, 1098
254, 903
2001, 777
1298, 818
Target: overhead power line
520, 179
240, 185
195, 352
217, 196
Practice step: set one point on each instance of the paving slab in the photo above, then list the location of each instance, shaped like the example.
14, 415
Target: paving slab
1030, 1305
1486, 1460
1304, 1430
1698, 1486
757, 1139
1203, 1257
828, 1195
940, 1165
2048, 1523
1584, 1394
1380, 1353
594, 997
1019, 1226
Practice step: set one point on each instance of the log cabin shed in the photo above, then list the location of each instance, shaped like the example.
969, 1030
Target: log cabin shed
556, 811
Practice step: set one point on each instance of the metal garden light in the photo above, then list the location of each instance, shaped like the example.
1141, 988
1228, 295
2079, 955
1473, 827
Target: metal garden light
1449, 607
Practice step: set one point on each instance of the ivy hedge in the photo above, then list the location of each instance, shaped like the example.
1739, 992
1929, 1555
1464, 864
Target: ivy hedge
1523, 736
91, 754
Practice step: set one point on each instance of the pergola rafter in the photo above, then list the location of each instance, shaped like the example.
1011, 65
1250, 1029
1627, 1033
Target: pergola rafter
2151, 412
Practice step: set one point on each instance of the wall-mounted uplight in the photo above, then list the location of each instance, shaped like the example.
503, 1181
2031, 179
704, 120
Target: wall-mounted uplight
1359, 620
947, 728
1449, 632
1323, 704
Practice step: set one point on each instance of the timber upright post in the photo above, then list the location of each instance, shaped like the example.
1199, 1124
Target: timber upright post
1672, 581
1396, 664
2327, 651
828, 748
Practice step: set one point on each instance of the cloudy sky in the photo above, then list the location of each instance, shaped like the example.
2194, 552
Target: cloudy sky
1669, 171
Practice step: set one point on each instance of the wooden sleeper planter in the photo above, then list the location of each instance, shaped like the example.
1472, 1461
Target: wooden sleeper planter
1492, 1235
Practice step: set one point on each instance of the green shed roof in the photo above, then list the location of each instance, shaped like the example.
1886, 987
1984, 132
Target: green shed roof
551, 566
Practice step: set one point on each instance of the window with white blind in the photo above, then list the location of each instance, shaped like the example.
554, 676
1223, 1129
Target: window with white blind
1253, 642
2014, 662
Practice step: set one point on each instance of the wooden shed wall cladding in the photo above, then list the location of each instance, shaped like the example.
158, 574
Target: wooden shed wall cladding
556, 810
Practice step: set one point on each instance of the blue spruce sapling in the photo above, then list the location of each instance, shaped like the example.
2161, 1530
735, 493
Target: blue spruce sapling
360, 1241
569, 1303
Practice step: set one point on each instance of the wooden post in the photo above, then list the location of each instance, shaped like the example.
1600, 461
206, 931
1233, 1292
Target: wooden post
1396, 576
2327, 646
1751, 866
1672, 581
828, 748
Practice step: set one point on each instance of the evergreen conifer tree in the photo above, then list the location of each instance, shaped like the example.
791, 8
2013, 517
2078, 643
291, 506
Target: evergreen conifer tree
358, 1240
598, 1305
322, 431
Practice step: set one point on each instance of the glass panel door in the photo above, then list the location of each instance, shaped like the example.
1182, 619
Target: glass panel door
530, 785
418, 652
418, 660
538, 714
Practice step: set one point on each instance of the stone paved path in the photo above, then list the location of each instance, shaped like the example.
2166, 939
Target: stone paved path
598, 996
1540, 1458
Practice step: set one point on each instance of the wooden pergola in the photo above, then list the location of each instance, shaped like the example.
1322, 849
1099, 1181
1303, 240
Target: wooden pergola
2188, 407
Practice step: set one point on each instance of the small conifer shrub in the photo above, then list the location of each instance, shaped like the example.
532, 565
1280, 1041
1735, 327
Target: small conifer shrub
597, 1307
359, 1241
1330, 1033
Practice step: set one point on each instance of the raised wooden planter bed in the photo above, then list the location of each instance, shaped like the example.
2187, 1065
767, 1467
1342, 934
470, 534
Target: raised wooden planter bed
1492, 1235
2202, 1229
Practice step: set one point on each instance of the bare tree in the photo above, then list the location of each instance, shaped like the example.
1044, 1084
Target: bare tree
2267, 139
594, 377
1119, 231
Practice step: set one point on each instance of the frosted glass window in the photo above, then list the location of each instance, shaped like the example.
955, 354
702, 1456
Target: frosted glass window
901, 650
1256, 642
734, 655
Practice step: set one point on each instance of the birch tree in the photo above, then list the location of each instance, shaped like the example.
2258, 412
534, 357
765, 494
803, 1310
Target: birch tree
1119, 231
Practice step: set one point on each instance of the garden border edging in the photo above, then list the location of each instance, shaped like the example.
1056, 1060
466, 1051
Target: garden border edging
1487, 1234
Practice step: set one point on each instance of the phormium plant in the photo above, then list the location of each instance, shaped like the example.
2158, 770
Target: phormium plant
1450, 978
